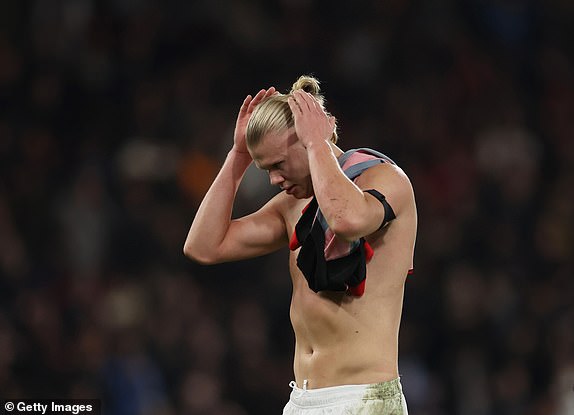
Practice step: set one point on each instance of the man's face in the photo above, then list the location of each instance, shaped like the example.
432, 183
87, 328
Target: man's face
284, 157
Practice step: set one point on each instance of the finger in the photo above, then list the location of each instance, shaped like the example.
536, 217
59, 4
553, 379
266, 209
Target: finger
299, 99
265, 93
294, 105
245, 104
270, 91
305, 100
314, 102
259, 95
256, 100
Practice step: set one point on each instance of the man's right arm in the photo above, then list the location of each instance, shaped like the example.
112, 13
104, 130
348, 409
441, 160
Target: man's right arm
214, 237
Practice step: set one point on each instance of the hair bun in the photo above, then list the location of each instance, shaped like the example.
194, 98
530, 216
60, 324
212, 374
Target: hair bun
311, 85
308, 84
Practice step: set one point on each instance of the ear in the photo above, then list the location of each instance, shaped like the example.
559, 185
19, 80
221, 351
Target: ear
332, 122
292, 138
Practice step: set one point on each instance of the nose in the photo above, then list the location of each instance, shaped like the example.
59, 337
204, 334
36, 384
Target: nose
275, 178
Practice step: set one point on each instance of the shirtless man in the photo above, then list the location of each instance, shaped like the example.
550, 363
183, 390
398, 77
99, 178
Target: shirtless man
346, 352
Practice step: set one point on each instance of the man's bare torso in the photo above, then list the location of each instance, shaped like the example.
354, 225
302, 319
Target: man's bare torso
341, 339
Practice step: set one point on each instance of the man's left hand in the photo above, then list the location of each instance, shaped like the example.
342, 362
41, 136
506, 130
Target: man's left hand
312, 124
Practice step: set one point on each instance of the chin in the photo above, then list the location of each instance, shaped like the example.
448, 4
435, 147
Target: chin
302, 195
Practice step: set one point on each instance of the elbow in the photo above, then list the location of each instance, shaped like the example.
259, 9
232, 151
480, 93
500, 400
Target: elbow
196, 255
345, 229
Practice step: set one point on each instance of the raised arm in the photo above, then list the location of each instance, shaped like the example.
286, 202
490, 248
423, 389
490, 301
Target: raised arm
213, 236
350, 212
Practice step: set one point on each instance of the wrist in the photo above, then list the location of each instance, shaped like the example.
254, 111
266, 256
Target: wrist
318, 145
239, 158
239, 153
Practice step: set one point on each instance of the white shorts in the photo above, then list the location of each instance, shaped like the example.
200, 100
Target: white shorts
385, 398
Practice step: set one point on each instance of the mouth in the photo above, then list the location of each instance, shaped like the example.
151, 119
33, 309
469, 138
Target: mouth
289, 189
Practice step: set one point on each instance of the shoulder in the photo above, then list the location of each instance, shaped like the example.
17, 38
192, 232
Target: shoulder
387, 173
390, 180
284, 204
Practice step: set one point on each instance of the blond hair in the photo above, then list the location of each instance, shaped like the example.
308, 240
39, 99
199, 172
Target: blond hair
274, 114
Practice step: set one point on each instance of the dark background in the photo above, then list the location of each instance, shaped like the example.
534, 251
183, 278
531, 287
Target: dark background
116, 115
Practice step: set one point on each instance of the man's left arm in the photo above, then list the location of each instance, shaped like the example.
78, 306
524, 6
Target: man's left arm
350, 211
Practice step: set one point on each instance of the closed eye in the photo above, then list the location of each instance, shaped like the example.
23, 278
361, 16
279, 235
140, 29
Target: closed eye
274, 166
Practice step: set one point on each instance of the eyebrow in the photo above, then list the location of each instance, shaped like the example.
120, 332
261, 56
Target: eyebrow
267, 166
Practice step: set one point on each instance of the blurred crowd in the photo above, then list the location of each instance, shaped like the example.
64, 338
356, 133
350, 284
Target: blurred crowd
116, 115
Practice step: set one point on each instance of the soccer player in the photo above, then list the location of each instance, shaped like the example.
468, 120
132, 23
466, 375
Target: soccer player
350, 221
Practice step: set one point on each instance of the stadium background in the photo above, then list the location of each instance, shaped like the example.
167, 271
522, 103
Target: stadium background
116, 115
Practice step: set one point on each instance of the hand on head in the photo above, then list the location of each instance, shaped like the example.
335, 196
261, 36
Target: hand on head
245, 112
312, 123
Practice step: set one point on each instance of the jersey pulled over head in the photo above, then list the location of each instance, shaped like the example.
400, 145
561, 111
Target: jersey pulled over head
274, 115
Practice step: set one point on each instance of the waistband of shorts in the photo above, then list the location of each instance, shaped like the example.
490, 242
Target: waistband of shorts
344, 393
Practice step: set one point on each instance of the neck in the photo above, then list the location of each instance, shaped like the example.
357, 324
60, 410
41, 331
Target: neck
336, 150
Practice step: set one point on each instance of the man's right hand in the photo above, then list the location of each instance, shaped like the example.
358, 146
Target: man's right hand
245, 112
